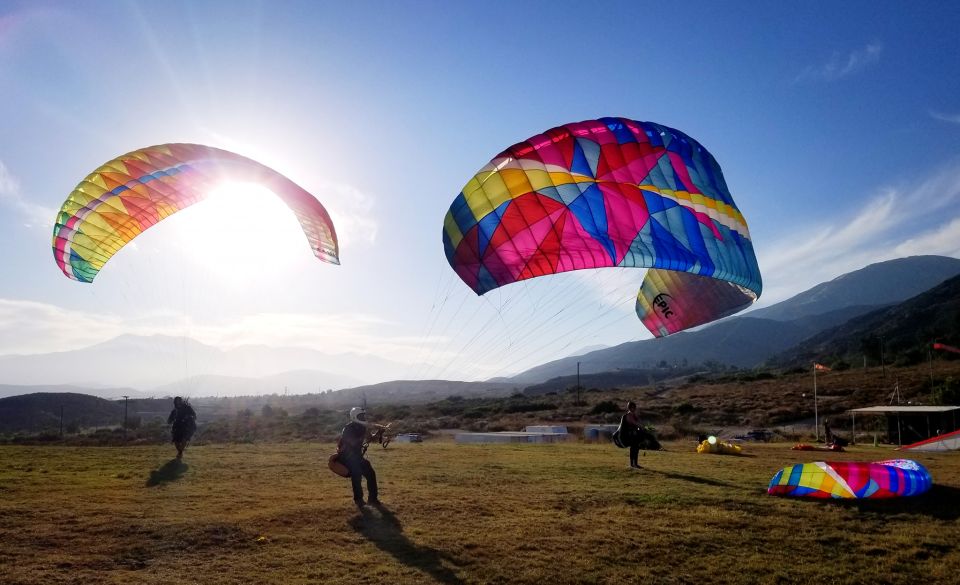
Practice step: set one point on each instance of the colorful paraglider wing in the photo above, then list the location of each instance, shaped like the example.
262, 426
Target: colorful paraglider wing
669, 301
609, 192
852, 479
127, 195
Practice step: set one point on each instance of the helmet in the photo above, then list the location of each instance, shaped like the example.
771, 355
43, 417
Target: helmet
358, 414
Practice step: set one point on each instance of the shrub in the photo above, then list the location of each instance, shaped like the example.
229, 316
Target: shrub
604, 407
529, 407
947, 393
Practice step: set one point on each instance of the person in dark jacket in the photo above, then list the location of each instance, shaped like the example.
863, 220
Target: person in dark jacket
831, 440
630, 432
184, 422
351, 449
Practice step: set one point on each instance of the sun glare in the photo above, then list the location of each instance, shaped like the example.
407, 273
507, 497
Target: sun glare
241, 231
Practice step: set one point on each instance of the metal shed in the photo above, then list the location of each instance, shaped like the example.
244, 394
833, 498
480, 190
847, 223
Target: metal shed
909, 424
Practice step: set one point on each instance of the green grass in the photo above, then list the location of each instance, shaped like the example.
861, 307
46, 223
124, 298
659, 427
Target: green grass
573, 513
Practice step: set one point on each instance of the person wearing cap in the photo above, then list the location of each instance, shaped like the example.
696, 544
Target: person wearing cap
351, 449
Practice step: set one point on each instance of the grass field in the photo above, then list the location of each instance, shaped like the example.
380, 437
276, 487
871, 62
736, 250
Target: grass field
573, 513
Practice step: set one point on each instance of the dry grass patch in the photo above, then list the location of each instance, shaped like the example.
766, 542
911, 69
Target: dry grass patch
572, 513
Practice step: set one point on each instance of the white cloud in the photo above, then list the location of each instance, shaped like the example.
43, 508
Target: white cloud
895, 223
331, 332
942, 241
30, 327
10, 195
840, 66
952, 118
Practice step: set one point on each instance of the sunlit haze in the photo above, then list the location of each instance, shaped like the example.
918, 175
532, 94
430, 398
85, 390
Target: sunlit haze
241, 232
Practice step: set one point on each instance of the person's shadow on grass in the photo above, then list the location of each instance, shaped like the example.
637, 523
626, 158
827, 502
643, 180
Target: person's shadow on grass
169, 471
697, 479
383, 529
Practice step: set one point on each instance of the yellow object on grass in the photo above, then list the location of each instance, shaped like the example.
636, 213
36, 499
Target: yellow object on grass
712, 445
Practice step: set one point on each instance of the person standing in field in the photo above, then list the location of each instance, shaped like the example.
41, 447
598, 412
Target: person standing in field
184, 423
831, 440
630, 432
351, 449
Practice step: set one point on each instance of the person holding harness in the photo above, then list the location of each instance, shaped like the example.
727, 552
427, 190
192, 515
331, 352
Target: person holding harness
183, 421
351, 449
631, 432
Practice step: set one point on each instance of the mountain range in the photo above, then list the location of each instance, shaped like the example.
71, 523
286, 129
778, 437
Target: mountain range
160, 365
751, 339
904, 332
165, 366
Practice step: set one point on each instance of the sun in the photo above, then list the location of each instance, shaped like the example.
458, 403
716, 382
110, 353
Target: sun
240, 232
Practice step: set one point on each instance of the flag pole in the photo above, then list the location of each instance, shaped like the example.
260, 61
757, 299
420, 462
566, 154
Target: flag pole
816, 418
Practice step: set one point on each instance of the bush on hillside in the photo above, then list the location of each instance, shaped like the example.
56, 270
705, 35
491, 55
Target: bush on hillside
685, 408
529, 407
604, 407
947, 394
911, 357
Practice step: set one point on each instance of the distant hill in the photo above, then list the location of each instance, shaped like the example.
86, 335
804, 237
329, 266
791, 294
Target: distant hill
883, 283
907, 329
294, 382
114, 393
420, 391
41, 412
146, 362
612, 379
751, 339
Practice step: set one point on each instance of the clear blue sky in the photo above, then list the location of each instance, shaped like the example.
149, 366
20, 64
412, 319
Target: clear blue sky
837, 126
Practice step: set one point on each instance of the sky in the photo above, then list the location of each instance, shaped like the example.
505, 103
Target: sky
837, 126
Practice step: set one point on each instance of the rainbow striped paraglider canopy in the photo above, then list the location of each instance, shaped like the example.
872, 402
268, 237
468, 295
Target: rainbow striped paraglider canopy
852, 479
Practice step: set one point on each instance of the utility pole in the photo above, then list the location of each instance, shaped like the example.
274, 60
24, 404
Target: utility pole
883, 366
578, 383
125, 417
816, 418
61, 421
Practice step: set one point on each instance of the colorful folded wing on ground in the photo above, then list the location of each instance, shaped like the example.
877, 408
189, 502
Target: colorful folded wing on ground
852, 479
131, 193
603, 193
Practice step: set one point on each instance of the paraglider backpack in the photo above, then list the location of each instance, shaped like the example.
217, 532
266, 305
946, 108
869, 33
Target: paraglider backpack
619, 436
333, 462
